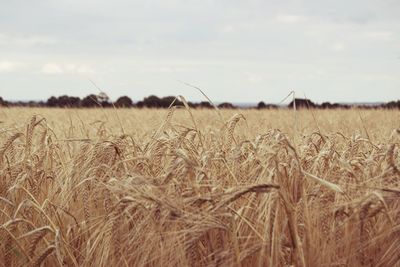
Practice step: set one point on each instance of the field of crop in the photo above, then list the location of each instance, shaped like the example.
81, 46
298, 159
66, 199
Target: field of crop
105, 187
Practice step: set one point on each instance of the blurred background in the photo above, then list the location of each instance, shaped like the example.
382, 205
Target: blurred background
236, 51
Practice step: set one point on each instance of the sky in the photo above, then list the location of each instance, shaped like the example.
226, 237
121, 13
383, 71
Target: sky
236, 51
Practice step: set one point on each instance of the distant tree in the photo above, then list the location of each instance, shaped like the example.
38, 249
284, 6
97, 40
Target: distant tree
32, 104
261, 105
140, 104
192, 105
326, 105
63, 101
152, 101
103, 99
226, 105
90, 101
302, 103
168, 100
2, 102
68, 101
52, 102
124, 102
205, 104
392, 105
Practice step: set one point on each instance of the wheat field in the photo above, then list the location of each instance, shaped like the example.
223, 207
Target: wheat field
178, 187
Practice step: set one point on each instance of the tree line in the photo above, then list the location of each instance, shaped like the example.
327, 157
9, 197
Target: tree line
152, 101
307, 103
102, 100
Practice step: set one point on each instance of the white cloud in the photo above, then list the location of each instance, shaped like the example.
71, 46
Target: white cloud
228, 29
338, 47
379, 35
170, 69
289, 18
83, 69
51, 68
253, 77
31, 40
54, 68
10, 66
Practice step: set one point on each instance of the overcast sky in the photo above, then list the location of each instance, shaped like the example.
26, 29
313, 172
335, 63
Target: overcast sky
237, 51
